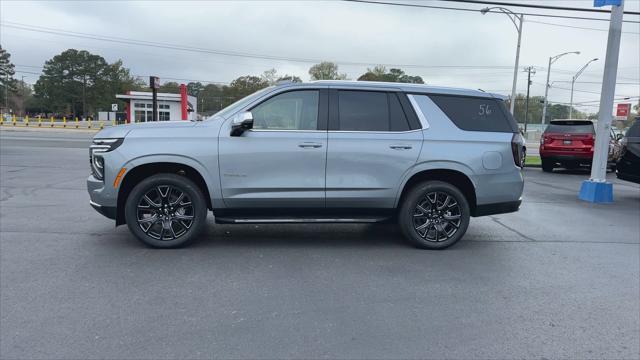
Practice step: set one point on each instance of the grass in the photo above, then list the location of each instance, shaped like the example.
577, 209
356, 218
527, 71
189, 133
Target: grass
532, 160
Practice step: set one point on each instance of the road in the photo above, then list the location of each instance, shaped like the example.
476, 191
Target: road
558, 279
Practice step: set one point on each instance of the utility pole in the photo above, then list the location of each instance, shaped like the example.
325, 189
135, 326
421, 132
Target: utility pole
528, 70
154, 83
573, 81
547, 86
597, 189
517, 20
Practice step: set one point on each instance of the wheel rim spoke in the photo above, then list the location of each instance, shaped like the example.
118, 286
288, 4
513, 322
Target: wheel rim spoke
165, 213
437, 217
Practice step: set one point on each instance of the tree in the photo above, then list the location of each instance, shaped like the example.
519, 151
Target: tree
194, 88
291, 78
326, 70
379, 73
272, 78
7, 82
170, 87
80, 83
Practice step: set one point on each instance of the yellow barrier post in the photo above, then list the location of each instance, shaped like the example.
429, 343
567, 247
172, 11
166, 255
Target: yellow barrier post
89, 123
14, 120
113, 122
52, 121
64, 121
39, 121
26, 120
101, 125
76, 122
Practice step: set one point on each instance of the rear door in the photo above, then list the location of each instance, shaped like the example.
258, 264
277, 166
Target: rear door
372, 141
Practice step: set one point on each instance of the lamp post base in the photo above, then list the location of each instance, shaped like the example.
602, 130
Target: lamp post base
596, 192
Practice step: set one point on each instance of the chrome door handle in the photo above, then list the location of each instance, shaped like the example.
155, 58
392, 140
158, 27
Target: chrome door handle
400, 147
309, 145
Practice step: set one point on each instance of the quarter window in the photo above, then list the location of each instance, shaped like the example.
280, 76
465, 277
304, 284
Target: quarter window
476, 113
294, 110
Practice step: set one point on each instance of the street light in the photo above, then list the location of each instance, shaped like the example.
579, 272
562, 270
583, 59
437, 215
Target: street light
546, 88
518, 24
573, 81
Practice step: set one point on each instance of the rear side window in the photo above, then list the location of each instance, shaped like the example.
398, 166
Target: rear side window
370, 111
570, 127
476, 114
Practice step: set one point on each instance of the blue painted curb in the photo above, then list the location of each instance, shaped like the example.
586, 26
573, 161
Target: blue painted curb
596, 192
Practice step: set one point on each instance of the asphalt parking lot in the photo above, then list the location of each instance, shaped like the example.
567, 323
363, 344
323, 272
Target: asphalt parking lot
558, 279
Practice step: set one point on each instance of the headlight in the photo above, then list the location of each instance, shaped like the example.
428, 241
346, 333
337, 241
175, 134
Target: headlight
96, 150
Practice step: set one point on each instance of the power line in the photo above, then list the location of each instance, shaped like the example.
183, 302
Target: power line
129, 41
578, 27
477, 10
532, 6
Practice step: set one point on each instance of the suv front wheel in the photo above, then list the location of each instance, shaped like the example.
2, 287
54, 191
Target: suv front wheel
434, 215
166, 211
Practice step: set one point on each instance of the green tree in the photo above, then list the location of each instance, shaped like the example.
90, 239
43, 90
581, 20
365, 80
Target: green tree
7, 82
170, 87
379, 73
81, 83
194, 88
326, 70
291, 78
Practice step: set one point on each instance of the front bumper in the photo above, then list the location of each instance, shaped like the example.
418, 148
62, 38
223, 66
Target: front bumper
108, 211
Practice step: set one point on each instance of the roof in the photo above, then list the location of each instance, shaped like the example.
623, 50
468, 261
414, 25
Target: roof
145, 95
413, 88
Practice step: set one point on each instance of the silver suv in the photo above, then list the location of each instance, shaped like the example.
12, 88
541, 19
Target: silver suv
426, 157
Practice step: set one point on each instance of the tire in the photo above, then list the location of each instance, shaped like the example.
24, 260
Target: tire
420, 200
175, 220
547, 166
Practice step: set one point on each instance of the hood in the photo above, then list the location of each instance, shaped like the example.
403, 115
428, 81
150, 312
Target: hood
121, 131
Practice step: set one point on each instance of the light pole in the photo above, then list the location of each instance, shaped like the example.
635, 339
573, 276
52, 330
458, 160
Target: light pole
529, 70
517, 20
573, 81
546, 88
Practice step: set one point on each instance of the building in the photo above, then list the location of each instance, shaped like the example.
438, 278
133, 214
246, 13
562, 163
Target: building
139, 106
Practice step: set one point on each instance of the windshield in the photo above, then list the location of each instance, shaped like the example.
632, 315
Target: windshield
240, 103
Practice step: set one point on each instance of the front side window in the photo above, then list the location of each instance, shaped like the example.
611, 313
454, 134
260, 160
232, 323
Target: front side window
294, 110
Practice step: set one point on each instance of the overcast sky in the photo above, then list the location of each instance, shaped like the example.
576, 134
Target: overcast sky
331, 30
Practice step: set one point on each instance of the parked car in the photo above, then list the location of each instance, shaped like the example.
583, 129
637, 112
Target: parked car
426, 157
628, 165
569, 144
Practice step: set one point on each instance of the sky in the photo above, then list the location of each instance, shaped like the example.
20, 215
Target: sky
445, 47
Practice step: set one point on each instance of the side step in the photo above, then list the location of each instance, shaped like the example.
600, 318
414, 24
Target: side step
283, 220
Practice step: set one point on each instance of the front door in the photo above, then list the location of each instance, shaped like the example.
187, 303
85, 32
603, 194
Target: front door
281, 162
371, 146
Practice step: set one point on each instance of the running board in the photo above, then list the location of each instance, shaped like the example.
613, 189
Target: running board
229, 220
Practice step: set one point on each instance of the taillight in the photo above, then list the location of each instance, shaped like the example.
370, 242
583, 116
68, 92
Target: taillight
517, 144
542, 140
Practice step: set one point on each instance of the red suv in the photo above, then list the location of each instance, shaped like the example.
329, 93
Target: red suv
567, 143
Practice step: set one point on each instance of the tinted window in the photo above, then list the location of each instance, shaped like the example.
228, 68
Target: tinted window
476, 114
363, 111
570, 128
397, 116
295, 110
634, 130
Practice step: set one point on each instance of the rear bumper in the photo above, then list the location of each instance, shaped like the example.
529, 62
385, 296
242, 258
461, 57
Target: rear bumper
566, 156
497, 208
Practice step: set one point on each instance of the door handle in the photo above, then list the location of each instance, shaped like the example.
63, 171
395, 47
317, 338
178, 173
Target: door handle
400, 147
309, 145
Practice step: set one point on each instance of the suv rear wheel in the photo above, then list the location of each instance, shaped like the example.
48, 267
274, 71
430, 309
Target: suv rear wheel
166, 211
434, 215
547, 166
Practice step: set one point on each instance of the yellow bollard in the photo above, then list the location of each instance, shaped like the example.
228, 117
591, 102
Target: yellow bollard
1, 119
101, 125
39, 121
52, 121
89, 123
76, 122
113, 122
64, 121
14, 120
26, 120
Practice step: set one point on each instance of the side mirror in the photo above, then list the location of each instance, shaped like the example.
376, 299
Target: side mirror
241, 123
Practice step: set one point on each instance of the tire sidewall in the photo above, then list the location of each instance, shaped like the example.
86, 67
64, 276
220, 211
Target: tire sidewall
411, 200
177, 181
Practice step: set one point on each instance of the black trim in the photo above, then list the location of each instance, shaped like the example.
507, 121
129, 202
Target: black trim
335, 213
496, 208
409, 111
334, 115
108, 211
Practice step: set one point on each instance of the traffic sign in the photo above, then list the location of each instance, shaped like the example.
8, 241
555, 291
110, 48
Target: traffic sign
600, 3
114, 107
623, 110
